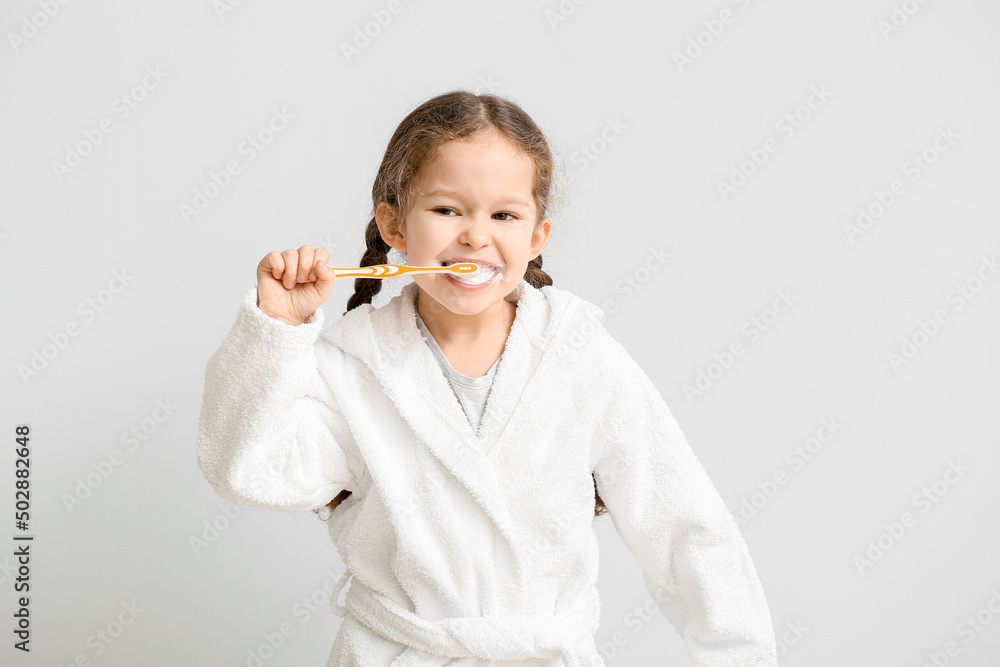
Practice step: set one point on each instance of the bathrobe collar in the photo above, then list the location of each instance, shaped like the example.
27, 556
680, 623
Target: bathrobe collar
388, 340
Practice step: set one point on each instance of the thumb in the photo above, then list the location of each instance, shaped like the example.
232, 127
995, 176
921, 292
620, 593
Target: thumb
325, 276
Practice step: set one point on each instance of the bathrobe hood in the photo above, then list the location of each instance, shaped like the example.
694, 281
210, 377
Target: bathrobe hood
387, 340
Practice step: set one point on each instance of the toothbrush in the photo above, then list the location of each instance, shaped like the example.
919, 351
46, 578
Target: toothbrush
381, 271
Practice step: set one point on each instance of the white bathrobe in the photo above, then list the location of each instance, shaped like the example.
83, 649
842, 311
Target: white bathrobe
477, 549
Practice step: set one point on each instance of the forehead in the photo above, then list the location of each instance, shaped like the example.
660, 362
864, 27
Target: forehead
486, 164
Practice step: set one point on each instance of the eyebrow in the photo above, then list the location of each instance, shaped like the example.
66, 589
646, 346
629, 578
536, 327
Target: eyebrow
457, 195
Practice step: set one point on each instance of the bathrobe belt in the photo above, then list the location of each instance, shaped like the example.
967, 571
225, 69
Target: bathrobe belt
495, 637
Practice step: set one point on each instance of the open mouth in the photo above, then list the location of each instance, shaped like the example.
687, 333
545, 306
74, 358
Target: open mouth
485, 274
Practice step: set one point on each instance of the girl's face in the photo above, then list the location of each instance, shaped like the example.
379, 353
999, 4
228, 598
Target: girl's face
471, 202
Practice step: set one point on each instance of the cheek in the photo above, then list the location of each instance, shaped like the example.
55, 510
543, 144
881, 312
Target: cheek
516, 245
420, 239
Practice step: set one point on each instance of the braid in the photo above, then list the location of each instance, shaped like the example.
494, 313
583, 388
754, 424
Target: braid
377, 252
534, 274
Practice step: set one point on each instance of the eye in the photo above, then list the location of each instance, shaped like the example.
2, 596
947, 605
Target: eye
442, 208
512, 216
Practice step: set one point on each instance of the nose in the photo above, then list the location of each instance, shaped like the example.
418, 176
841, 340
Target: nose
475, 231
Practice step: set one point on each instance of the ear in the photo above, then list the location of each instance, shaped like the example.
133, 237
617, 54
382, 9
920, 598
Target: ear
392, 233
540, 236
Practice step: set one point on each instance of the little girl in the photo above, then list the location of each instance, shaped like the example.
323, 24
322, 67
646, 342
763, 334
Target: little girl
465, 435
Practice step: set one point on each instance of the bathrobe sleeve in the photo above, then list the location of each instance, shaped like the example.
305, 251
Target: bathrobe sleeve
695, 562
270, 432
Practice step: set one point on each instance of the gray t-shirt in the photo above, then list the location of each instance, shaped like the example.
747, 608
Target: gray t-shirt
471, 392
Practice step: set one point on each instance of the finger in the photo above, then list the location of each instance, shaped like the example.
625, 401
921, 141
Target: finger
306, 255
321, 256
272, 264
287, 278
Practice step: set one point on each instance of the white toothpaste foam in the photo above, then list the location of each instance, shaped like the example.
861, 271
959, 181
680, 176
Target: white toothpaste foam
483, 275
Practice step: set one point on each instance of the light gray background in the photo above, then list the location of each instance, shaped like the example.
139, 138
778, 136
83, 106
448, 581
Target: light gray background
653, 185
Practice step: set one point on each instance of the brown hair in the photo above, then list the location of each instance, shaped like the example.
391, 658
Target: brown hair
451, 116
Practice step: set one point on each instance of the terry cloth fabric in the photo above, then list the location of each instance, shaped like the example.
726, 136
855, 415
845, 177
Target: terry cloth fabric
471, 392
503, 637
452, 530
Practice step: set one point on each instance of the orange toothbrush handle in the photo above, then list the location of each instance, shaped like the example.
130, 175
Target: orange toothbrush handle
395, 270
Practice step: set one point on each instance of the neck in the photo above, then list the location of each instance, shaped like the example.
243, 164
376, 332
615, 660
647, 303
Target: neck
448, 327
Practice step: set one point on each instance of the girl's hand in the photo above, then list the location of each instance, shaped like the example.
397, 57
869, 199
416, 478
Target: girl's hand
291, 285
